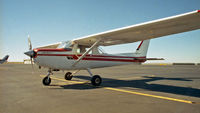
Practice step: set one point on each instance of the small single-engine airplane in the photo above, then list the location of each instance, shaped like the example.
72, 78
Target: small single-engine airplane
84, 53
4, 59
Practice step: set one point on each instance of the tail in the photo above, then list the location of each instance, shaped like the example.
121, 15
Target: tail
142, 49
5, 58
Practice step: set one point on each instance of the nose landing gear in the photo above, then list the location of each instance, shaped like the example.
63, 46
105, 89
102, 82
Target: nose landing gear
47, 80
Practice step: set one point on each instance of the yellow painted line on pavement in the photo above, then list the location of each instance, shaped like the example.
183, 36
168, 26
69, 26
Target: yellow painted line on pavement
130, 92
149, 95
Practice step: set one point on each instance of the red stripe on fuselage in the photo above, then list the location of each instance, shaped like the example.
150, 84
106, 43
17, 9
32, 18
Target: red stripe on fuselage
36, 50
116, 60
102, 58
65, 50
110, 56
53, 50
88, 55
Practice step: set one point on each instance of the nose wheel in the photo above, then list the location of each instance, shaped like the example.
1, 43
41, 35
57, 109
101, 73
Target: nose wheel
68, 76
47, 80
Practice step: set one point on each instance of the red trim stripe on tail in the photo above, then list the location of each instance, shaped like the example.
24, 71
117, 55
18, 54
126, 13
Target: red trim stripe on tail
139, 45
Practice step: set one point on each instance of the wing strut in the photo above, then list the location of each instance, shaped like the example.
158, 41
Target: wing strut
80, 58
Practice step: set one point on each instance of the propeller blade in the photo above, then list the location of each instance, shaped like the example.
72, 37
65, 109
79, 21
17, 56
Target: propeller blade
29, 43
32, 64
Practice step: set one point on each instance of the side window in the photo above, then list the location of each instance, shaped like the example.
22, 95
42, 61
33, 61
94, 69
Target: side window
89, 52
78, 50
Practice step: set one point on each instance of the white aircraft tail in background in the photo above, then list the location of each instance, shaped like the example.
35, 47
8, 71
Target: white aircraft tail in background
4, 59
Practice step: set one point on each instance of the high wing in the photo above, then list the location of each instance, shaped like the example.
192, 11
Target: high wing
148, 30
55, 45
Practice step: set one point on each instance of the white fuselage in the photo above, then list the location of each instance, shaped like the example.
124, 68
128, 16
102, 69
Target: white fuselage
63, 60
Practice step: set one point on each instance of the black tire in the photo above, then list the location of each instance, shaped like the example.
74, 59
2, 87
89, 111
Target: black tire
68, 76
46, 81
96, 80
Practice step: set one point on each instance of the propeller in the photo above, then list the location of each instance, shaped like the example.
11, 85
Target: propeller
29, 43
31, 53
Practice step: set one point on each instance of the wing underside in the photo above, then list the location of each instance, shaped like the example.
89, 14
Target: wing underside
149, 30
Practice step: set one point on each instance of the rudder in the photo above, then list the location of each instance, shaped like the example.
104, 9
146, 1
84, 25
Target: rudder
142, 49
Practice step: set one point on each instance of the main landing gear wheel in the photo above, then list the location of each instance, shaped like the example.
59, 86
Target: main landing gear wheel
46, 81
96, 80
68, 76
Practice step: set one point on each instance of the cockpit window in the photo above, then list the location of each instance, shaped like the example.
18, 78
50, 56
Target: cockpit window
66, 44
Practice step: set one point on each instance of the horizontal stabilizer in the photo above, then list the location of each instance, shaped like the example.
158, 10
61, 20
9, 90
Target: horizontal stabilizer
149, 59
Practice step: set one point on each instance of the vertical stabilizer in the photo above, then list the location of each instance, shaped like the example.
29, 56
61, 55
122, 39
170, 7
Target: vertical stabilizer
4, 59
142, 49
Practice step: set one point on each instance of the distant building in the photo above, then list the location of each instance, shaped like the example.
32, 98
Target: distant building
27, 61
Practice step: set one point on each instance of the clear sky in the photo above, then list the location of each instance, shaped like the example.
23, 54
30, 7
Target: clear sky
50, 21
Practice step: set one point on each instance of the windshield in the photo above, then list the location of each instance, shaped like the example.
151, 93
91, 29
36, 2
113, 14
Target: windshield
66, 44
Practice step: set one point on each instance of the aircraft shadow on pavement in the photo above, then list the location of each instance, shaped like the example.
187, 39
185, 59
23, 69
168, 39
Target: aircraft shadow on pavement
141, 84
